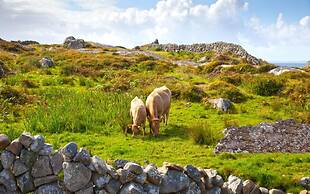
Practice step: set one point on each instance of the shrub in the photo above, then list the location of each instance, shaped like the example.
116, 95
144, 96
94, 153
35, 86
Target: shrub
210, 67
234, 79
266, 86
13, 95
242, 68
265, 68
194, 94
29, 84
223, 89
202, 134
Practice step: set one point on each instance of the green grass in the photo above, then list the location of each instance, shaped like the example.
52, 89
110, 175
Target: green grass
86, 97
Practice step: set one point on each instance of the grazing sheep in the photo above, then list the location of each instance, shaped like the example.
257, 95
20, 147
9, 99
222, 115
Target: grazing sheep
138, 114
165, 94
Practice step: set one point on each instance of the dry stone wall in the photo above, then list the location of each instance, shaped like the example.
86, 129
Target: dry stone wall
218, 47
29, 165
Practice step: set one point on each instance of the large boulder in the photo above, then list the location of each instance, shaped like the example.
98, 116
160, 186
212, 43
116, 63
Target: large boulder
25, 182
46, 62
76, 176
72, 43
7, 159
8, 180
174, 181
69, 151
221, 104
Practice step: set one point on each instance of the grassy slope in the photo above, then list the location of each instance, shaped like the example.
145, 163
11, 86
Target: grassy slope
80, 81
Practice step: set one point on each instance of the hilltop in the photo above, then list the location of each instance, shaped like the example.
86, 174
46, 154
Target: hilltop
81, 91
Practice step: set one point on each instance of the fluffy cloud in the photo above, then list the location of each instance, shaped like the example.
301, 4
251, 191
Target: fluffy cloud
179, 21
101, 20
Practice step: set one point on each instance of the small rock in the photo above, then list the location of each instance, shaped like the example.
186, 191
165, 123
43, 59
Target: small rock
89, 190
76, 176
112, 172
56, 162
132, 188
46, 150
193, 172
120, 163
2, 189
264, 190
125, 176
249, 187
102, 191
113, 186
4, 141
7, 159
174, 181
49, 189
43, 162
134, 168
305, 182
37, 144
25, 183
276, 191
26, 139
151, 189
100, 180
28, 157
46, 62
44, 180
19, 167
215, 190
83, 156
15, 147
235, 184
69, 151
153, 176
99, 165
192, 189
8, 180
304, 192
141, 178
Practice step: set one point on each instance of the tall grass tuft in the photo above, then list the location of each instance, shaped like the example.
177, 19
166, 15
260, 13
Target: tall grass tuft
202, 134
80, 111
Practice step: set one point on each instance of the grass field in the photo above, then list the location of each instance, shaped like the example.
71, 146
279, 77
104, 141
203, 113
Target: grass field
85, 98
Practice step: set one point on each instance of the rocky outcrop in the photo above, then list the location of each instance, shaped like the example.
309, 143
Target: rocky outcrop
217, 47
26, 42
281, 136
72, 43
281, 70
36, 168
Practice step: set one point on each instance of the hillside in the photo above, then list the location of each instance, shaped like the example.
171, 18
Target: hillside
83, 95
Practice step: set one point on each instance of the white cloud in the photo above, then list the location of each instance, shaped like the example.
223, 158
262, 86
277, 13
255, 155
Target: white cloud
278, 41
169, 20
179, 21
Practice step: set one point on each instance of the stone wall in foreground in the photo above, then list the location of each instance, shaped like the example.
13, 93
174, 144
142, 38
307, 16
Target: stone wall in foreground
28, 164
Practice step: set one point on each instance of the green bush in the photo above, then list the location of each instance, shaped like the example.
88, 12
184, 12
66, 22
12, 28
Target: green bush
266, 86
194, 94
221, 89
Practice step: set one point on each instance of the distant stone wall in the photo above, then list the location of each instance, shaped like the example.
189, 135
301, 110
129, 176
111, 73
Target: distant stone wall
218, 47
28, 164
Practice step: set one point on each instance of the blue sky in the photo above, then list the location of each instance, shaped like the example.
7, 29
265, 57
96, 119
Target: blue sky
275, 30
